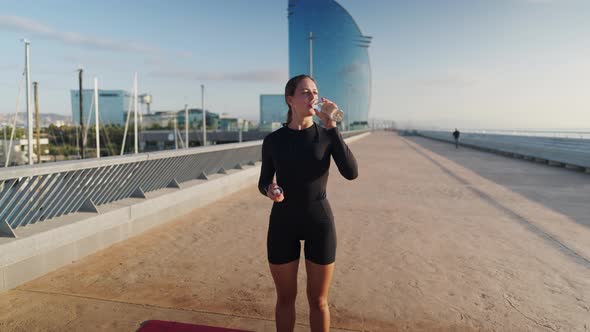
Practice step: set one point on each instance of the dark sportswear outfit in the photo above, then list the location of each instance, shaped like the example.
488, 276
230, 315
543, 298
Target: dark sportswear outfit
301, 160
456, 135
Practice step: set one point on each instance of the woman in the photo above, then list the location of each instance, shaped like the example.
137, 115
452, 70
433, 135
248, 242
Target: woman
299, 153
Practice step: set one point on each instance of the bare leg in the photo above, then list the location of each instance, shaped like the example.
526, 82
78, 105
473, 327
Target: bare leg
318, 284
285, 278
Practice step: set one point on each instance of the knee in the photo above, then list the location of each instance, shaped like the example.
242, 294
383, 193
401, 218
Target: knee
318, 303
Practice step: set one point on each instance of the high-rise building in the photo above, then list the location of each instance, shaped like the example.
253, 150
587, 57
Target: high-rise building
326, 43
273, 109
112, 106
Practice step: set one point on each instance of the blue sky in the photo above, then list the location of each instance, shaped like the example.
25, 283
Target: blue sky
467, 63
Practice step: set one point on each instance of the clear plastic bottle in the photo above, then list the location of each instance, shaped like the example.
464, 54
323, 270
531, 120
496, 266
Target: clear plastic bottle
337, 114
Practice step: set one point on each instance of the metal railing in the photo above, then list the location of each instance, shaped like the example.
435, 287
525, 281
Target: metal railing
36, 193
566, 151
31, 194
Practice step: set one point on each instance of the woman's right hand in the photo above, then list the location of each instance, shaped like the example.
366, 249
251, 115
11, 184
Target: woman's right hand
328, 108
273, 194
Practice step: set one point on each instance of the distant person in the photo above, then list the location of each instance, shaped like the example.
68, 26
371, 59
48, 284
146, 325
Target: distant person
456, 135
299, 154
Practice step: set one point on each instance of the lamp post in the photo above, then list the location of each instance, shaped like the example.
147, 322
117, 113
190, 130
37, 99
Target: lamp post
348, 104
204, 114
37, 125
96, 119
136, 146
29, 111
311, 54
81, 99
186, 125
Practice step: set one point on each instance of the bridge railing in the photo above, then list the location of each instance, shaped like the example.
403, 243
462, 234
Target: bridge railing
37, 193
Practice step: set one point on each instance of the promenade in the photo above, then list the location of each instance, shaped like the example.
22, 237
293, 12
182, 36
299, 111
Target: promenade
430, 238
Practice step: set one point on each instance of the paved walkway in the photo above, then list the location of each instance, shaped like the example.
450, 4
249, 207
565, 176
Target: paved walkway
429, 239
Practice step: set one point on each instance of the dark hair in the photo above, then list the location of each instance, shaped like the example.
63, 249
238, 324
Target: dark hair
290, 91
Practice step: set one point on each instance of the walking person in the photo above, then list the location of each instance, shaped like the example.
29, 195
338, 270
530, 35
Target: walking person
456, 135
299, 155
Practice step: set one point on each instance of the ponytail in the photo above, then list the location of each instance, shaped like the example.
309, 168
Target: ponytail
289, 117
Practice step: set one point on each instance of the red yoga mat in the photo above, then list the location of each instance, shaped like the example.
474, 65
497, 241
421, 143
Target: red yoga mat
164, 326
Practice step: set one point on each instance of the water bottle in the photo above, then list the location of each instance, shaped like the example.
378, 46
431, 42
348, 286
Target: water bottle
337, 114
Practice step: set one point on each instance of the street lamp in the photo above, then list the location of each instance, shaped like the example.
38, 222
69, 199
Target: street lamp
29, 111
204, 114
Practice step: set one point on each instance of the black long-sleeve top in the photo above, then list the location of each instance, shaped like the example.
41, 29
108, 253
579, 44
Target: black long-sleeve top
301, 160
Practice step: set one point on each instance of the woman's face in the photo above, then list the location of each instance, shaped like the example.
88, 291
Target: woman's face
304, 97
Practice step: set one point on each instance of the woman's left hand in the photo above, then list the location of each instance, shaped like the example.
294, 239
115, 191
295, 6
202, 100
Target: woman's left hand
328, 108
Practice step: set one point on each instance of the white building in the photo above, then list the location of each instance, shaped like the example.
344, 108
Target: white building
19, 155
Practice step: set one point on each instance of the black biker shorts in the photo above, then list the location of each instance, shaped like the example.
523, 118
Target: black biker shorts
293, 222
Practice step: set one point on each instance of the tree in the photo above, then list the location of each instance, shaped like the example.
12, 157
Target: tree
54, 151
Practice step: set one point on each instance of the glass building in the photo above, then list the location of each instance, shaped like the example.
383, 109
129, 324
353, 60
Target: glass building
195, 118
326, 43
273, 109
112, 106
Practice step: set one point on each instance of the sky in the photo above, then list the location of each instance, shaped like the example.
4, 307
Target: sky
476, 64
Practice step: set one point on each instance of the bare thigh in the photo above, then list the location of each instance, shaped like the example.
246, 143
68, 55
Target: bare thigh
319, 278
285, 279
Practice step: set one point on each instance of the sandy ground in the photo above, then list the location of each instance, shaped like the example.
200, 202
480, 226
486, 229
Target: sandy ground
424, 244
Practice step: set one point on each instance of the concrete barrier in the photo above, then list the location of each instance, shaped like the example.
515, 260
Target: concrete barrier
561, 152
41, 248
